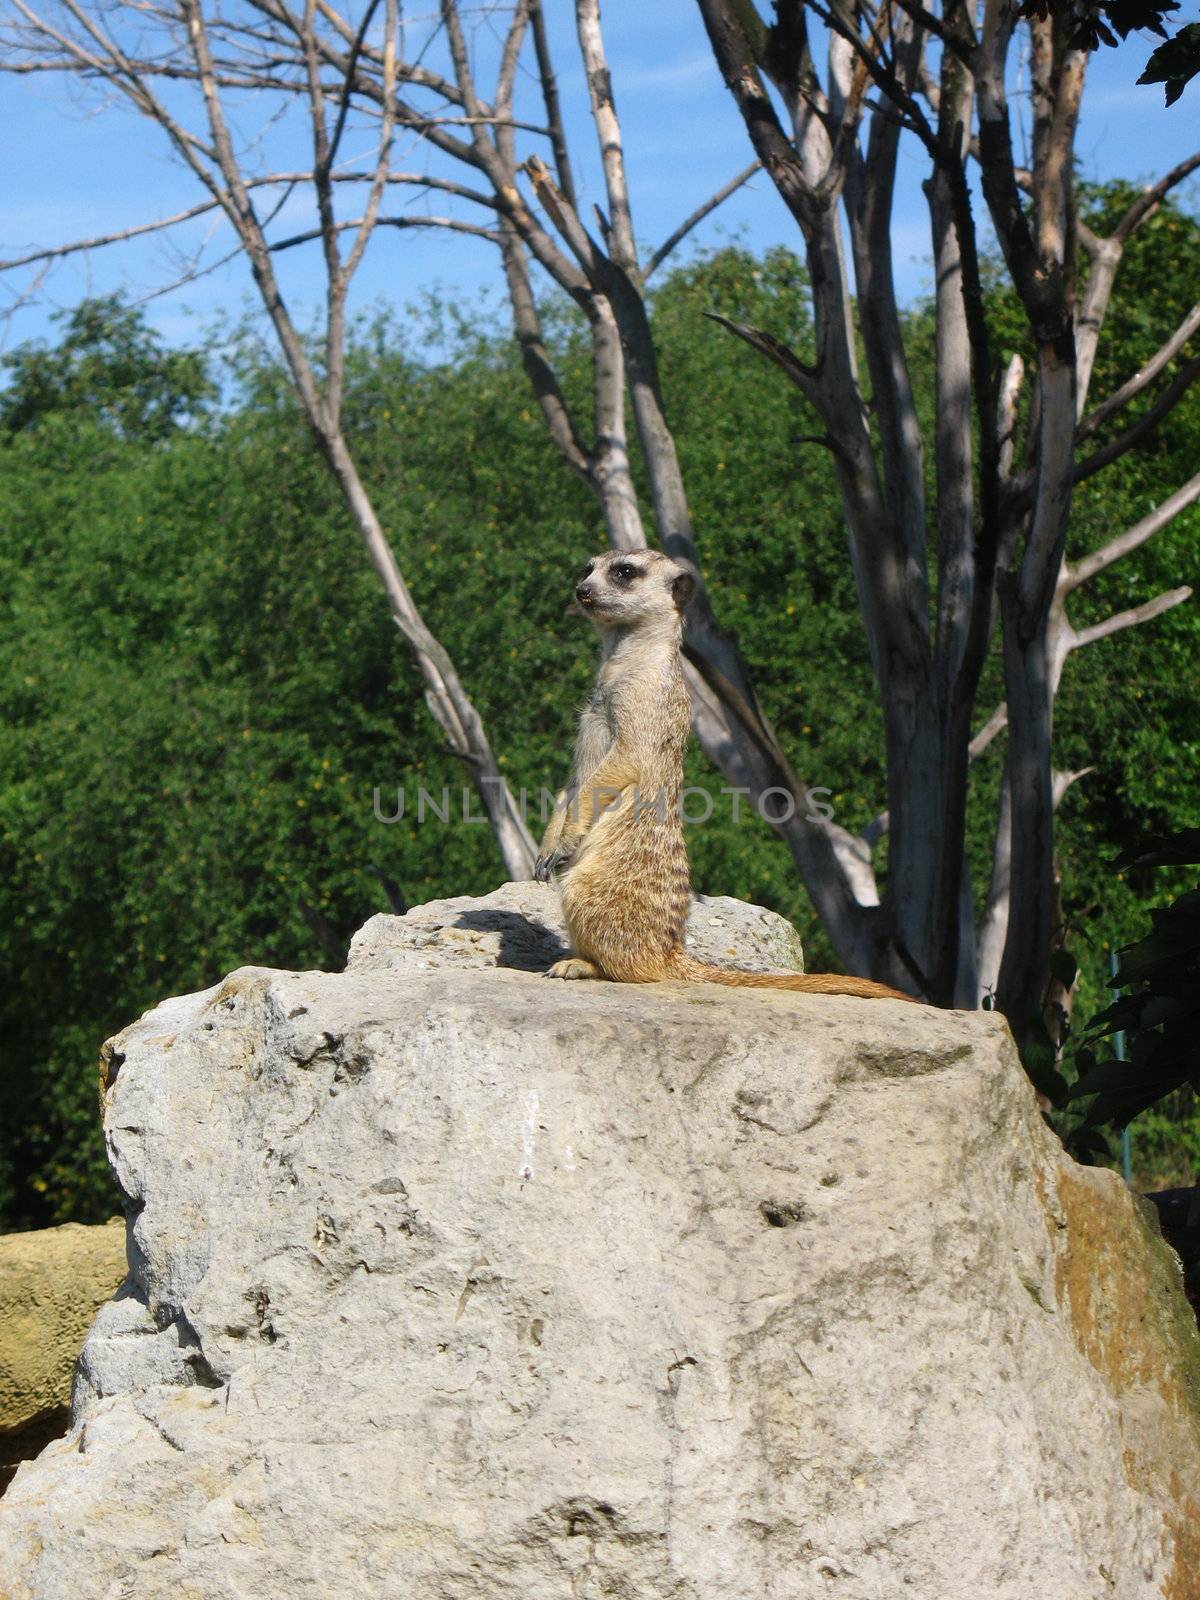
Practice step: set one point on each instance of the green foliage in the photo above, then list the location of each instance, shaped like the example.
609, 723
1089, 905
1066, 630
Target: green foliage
200, 690
107, 370
1175, 62
200, 687
1160, 1013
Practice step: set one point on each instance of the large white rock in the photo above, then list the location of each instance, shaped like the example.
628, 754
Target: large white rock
457, 1283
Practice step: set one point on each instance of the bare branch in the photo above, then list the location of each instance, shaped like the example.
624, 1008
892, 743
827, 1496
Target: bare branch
194, 272
1091, 242
999, 169
509, 57
1131, 618
431, 128
608, 129
739, 63
1006, 415
1152, 195
339, 126
853, 852
882, 71
1143, 377
1143, 427
421, 180
993, 726
462, 62
488, 120
993, 924
288, 180
407, 72
847, 97
55, 251
1022, 177
114, 69
1057, 85
565, 219
536, 360
698, 216
869, 192
386, 133
1133, 538
549, 85
1106, 258
804, 377
451, 224
962, 43
612, 477
335, 286
1092, 309
1062, 781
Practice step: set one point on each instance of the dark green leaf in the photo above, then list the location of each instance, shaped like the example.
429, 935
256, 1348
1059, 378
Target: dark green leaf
1176, 62
1064, 967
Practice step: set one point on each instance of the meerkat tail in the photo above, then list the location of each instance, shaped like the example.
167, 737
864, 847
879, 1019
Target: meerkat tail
692, 971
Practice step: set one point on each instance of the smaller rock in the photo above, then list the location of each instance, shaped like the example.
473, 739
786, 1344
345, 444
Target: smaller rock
520, 926
52, 1282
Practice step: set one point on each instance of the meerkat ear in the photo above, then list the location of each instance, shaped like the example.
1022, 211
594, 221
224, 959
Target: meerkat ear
682, 590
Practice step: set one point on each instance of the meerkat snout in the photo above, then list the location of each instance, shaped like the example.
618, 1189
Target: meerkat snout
628, 588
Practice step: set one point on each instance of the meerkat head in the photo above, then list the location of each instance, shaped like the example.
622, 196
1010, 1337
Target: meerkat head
622, 588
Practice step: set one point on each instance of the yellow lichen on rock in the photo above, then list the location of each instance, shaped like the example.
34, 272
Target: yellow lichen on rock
1119, 1282
52, 1283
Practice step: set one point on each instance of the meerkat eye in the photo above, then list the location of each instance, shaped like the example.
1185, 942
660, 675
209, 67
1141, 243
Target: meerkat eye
626, 573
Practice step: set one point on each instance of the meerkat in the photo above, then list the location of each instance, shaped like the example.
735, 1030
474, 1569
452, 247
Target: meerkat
616, 833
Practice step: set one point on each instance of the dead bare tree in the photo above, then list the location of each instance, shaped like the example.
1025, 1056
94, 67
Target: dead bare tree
828, 137
1005, 464
189, 41
602, 274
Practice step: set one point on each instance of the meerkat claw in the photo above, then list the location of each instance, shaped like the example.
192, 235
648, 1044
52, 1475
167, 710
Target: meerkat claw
545, 867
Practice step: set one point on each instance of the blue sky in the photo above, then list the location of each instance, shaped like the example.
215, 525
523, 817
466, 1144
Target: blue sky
71, 167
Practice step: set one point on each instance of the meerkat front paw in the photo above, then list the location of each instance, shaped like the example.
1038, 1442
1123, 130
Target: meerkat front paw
546, 866
573, 967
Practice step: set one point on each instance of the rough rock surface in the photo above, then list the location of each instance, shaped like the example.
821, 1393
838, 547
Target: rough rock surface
521, 926
466, 1285
1179, 1218
52, 1283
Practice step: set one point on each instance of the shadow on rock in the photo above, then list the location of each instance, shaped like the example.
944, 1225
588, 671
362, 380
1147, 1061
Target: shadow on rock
525, 944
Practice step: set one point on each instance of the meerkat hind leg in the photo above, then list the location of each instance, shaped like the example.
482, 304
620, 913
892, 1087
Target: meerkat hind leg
573, 967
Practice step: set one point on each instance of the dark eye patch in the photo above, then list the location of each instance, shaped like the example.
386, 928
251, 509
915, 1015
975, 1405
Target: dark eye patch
626, 573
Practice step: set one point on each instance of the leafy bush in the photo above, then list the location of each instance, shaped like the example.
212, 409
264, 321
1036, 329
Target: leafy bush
1159, 1014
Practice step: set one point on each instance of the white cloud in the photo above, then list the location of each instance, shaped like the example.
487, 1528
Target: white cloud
666, 77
